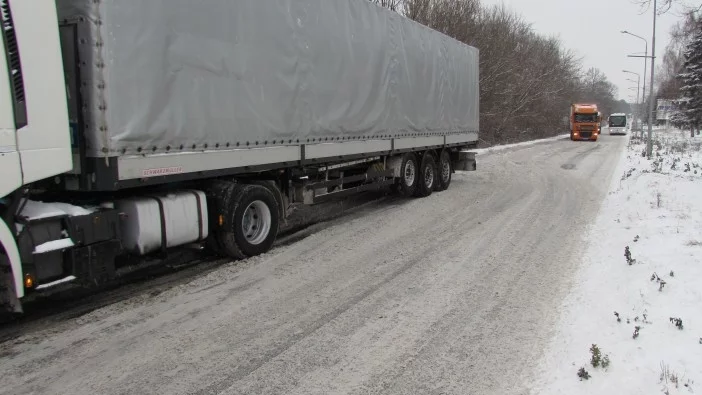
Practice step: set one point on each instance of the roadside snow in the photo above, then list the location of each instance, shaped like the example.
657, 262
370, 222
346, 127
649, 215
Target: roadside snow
483, 151
655, 208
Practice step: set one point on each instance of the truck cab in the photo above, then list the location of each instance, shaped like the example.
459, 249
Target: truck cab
584, 122
34, 129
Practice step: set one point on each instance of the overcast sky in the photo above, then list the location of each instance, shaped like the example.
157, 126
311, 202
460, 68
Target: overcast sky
592, 29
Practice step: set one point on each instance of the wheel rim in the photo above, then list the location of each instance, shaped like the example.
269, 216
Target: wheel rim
410, 171
429, 176
256, 224
445, 171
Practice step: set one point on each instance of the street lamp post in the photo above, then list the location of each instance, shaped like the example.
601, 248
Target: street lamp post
643, 94
638, 105
649, 143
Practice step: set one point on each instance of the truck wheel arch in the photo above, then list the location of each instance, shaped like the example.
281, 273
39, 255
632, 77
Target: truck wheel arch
8, 247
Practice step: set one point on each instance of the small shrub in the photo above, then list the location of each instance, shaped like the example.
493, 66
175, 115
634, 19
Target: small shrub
677, 321
583, 374
605, 361
636, 332
617, 315
660, 281
597, 359
627, 254
596, 356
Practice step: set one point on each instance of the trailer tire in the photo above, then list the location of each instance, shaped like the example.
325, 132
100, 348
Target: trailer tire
409, 174
427, 176
253, 221
443, 171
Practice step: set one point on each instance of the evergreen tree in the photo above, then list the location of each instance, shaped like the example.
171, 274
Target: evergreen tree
690, 114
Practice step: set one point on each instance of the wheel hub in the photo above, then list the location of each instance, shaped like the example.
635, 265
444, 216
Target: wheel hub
429, 176
256, 223
409, 173
445, 171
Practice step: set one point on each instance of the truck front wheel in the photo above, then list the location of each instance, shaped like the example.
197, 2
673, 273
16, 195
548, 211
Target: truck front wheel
252, 223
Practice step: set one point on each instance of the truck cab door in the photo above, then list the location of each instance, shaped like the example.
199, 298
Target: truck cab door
34, 64
10, 163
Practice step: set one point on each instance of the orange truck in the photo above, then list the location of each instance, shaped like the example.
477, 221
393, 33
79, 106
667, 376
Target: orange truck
584, 122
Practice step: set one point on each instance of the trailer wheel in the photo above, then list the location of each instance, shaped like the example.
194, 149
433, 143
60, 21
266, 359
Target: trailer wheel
427, 176
444, 171
409, 174
253, 222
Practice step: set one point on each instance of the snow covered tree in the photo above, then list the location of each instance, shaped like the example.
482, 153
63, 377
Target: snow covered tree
690, 114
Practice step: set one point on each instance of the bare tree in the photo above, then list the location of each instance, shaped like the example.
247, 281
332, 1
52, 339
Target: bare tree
668, 5
527, 81
394, 5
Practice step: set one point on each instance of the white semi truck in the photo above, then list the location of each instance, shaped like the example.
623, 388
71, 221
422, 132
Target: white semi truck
133, 128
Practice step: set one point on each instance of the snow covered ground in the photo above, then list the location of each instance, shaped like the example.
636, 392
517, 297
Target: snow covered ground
654, 208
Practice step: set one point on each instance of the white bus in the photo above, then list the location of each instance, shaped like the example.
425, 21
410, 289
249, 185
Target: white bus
618, 123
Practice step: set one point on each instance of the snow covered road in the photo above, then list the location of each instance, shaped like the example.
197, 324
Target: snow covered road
451, 294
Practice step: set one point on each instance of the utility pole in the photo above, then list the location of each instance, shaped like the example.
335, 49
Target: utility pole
638, 104
649, 145
643, 94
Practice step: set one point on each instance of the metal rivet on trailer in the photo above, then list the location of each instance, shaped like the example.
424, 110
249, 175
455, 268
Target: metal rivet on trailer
194, 146
204, 146
138, 149
182, 146
154, 149
257, 143
217, 145
265, 142
247, 143
228, 145
237, 144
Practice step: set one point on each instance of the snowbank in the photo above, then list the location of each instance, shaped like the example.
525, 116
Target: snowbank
654, 208
494, 148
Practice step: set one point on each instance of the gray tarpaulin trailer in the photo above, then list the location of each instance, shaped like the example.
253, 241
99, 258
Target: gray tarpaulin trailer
204, 121
177, 87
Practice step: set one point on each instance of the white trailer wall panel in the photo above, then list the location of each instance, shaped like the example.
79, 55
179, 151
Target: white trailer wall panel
182, 75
